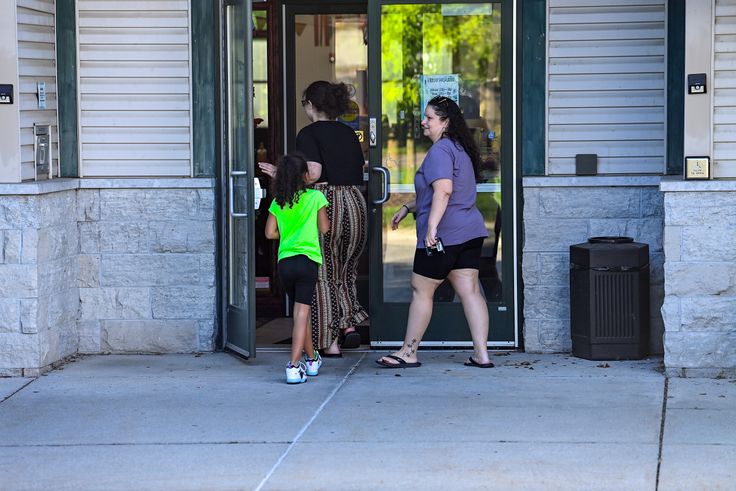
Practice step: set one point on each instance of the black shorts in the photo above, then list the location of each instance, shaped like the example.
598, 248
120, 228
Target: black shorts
438, 265
299, 276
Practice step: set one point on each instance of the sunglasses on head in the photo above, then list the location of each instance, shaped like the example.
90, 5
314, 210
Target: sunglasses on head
305, 102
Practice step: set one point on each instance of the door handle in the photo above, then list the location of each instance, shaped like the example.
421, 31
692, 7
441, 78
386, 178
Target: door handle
386, 183
258, 193
233, 174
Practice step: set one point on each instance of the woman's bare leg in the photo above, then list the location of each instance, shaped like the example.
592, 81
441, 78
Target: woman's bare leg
467, 286
333, 349
420, 313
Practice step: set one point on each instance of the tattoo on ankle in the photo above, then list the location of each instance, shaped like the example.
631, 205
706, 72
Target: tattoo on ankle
410, 349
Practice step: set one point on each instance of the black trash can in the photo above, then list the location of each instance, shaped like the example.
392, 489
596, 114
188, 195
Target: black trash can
609, 299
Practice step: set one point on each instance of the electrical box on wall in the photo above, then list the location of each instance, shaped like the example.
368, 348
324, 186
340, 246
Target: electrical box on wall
42, 158
586, 164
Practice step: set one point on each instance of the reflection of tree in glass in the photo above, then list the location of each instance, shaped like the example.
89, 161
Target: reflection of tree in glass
418, 40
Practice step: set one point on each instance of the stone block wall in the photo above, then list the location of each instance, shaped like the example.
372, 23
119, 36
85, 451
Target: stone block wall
38, 269
96, 266
58, 268
19, 346
700, 278
147, 270
562, 211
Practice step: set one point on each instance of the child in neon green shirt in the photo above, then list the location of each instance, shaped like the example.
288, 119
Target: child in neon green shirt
297, 216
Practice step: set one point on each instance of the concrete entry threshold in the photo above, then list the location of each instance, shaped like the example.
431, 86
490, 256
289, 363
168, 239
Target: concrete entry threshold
215, 422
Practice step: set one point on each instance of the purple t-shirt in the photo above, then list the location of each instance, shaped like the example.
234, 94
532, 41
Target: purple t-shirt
462, 220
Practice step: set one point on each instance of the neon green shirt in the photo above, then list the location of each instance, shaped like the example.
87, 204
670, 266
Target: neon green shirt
298, 229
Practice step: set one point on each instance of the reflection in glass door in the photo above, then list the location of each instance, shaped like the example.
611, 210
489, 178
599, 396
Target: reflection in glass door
454, 50
328, 46
238, 136
329, 42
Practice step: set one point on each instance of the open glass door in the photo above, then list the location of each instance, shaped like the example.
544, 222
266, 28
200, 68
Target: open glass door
462, 51
328, 41
237, 111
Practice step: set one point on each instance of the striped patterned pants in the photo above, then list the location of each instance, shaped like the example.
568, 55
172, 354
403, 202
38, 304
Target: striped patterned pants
335, 302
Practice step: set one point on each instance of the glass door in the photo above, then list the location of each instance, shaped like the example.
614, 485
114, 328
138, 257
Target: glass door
328, 41
462, 51
238, 172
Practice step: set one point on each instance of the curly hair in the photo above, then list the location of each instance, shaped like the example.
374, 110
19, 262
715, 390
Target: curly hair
457, 129
331, 99
288, 184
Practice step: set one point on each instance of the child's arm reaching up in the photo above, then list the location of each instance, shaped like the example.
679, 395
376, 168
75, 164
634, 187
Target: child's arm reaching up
323, 221
272, 228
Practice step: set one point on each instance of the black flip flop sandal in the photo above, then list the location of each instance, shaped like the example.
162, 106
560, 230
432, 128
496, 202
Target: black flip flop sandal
400, 362
351, 340
472, 363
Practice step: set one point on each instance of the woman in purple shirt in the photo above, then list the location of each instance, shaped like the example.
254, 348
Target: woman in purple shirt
450, 233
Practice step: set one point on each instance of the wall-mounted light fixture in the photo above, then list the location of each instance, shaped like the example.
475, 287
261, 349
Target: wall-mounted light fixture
696, 83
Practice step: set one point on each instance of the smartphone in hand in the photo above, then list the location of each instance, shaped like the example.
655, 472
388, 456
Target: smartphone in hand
438, 248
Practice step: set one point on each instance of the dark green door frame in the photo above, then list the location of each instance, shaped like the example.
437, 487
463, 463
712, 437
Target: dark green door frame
66, 86
502, 313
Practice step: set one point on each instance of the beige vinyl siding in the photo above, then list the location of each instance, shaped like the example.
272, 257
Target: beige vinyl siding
36, 63
606, 85
724, 90
134, 87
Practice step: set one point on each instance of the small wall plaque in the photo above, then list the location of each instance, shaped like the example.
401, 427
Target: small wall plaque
697, 167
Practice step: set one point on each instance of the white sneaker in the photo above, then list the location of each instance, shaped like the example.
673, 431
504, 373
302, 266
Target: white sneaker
296, 374
313, 365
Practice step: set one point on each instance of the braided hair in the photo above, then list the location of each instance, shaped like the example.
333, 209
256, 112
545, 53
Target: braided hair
457, 129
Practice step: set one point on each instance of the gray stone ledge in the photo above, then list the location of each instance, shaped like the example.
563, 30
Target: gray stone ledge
676, 184
39, 187
591, 181
148, 183
65, 184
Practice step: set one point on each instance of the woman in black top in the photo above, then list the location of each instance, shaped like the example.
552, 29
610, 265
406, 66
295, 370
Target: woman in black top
335, 160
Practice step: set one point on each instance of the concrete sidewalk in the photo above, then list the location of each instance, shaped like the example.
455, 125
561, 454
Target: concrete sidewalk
212, 422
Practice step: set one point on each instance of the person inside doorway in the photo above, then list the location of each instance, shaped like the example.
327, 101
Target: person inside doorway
335, 160
296, 217
450, 233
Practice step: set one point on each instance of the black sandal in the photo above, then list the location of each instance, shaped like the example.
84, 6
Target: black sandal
472, 363
400, 362
351, 340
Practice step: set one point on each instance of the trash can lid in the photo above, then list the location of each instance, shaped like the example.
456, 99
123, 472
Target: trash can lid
610, 240
609, 252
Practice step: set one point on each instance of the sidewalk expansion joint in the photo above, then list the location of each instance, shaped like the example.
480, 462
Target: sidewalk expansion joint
146, 444
309, 423
19, 389
661, 430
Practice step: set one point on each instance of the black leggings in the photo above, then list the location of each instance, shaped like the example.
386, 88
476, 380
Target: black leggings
298, 275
